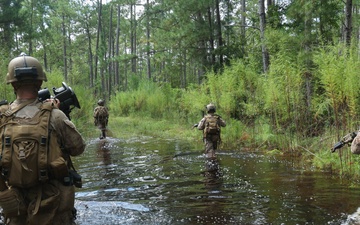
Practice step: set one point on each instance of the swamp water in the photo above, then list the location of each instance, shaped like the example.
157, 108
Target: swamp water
150, 181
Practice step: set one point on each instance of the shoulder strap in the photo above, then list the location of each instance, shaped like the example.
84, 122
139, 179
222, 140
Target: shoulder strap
9, 112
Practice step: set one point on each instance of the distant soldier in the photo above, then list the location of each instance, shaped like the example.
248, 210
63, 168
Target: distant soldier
211, 125
101, 117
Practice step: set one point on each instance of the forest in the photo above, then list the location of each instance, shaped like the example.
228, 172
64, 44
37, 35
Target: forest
283, 73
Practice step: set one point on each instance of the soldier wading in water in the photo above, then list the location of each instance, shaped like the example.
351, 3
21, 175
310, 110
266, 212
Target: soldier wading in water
101, 117
211, 125
37, 139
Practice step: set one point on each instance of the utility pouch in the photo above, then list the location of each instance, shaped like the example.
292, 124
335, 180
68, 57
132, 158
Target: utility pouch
59, 168
12, 203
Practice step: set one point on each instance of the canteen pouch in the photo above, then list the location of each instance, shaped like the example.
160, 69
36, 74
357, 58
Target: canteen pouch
59, 168
12, 203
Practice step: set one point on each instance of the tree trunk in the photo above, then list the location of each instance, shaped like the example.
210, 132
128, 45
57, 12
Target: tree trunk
110, 52
219, 33
133, 37
31, 29
348, 22
64, 47
98, 38
90, 59
117, 76
307, 120
243, 26
211, 38
265, 54
148, 40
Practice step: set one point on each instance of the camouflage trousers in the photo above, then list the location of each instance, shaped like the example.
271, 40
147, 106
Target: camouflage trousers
101, 124
211, 145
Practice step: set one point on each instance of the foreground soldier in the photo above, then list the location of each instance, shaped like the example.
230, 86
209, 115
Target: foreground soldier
101, 117
211, 125
37, 140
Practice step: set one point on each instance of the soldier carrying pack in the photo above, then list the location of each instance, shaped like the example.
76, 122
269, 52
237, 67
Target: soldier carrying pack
101, 117
212, 124
37, 139
25, 157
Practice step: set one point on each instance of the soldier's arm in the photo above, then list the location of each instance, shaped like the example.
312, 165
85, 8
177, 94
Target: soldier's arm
201, 124
72, 141
222, 122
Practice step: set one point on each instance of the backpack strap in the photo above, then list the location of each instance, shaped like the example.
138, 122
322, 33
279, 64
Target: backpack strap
6, 112
9, 112
45, 114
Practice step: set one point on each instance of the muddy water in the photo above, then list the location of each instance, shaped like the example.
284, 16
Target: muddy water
149, 181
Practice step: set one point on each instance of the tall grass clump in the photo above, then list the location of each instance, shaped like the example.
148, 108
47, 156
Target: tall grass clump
283, 94
338, 85
148, 99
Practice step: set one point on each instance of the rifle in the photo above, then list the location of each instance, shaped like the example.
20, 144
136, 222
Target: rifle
347, 139
66, 96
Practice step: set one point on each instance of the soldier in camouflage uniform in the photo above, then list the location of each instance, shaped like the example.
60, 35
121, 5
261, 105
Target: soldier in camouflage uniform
101, 117
51, 201
211, 125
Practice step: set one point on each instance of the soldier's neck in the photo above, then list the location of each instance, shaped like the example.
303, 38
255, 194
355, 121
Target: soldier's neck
25, 95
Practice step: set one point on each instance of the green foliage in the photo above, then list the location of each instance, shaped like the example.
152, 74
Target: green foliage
338, 84
192, 104
283, 91
342, 162
146, 99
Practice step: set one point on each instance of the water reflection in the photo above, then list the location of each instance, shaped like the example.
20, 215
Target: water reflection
103, 151
150, 181
214, 201
212, 175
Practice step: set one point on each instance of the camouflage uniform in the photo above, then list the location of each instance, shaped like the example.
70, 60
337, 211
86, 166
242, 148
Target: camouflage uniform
49, 201
211, 140
101, 120
355, 145
61, 211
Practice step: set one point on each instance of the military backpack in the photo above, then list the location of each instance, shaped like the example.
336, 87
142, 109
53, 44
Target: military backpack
101, 112
212, 124
25, 156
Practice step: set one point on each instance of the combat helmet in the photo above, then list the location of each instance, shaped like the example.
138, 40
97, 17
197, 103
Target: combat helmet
25, 68
211, 108
101, 102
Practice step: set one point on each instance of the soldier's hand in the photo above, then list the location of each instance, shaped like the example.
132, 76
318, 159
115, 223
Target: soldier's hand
54, 101
349, 137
